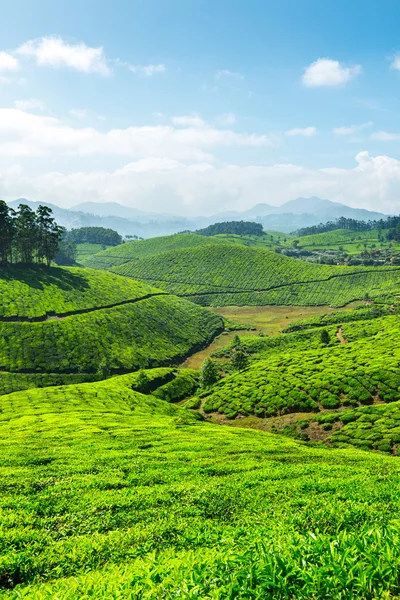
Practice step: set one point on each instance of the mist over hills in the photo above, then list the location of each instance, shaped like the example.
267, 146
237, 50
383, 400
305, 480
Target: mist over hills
292, 215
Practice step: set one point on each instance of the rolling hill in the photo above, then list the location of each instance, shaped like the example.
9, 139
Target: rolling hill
69, 325
296, 373
108, 492
220, 275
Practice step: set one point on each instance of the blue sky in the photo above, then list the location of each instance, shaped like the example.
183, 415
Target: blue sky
192, 106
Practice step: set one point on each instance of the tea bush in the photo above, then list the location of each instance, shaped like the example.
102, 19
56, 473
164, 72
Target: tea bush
108, 493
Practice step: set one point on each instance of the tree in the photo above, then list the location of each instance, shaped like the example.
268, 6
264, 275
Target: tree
325, 337
236, 343
209, 373
239, 360
103, 370
7, 232
26, 234
142, 381
95, 235
49, 234
66, 253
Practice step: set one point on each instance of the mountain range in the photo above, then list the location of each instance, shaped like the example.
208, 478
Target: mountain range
301, 212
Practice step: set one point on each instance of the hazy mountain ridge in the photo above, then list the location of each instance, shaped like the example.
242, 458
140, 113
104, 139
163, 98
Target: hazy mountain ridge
292, 215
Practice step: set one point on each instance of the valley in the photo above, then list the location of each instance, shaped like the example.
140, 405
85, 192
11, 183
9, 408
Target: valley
182, 411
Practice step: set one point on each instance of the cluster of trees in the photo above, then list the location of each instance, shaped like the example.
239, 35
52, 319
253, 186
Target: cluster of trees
27, 236
391, 223
94, 235
233, 227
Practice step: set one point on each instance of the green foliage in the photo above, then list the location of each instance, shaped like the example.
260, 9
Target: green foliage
359, 314
142, 382
94, 235
209, 373
287, 377
143, 249
183, 385
233, 227
223, 275
370, 428
155, 331
37, 291
108, 493
96, 339
325, 337
239, 360
26, 236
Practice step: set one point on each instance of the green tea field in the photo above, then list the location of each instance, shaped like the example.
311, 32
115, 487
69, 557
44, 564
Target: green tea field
70, 325
109, 493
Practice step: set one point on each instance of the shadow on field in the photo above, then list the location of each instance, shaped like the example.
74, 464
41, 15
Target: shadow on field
41, 276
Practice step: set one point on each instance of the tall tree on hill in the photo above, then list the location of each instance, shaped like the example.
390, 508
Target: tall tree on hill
26, 234
239, 360
7, 232
209, 373
49, 235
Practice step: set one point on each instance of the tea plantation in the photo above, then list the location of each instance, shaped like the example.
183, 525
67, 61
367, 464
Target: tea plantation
286, 380
128, 251
141, 327
120, 477
110, 493
39, 291
236, 275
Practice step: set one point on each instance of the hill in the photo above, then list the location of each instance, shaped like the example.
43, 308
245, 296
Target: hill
220, 275
108, 492
62, 325
132, 251
296, 373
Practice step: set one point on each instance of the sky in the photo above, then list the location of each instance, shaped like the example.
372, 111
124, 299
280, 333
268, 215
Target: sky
196, 106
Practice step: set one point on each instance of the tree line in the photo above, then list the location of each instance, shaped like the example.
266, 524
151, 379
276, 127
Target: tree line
353, 224
233, 228
27, 236
94, 235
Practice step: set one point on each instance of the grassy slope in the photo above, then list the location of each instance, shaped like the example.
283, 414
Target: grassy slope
294, 373
145, 248
86, 251
352, 242
35, 291
152, 331
236, 275
109, 493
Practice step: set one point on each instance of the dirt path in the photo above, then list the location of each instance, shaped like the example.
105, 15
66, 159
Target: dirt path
340, 337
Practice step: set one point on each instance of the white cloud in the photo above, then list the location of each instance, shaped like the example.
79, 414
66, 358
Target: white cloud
8, 62
328, 72
395, 64
304, 131
385, 136
167, 184
55, 52
226, 119
352, 129
78, 113
25, 134
188, 121
226, 74
29, 104
148, 70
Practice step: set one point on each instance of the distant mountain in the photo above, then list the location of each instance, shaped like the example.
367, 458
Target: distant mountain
114, 209
295, 214
153, 226
327, 208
